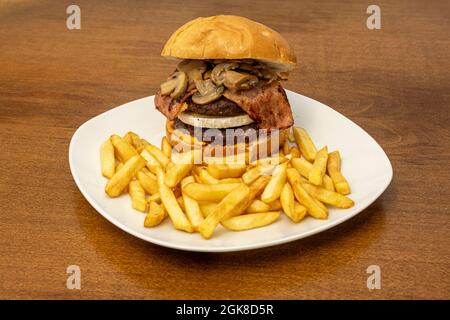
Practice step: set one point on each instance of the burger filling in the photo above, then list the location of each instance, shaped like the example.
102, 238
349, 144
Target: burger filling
225, 94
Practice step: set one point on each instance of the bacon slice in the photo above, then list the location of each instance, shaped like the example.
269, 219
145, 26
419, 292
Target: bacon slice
168, 106
267, 105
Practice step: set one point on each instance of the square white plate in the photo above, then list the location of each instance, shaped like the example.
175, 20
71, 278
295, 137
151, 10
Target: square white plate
364, 163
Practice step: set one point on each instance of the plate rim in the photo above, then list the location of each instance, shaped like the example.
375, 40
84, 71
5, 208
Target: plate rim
194, 248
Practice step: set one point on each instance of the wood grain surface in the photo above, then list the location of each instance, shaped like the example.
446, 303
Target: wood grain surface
393, 82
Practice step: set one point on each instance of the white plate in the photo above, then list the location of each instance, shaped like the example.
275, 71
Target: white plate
364, 164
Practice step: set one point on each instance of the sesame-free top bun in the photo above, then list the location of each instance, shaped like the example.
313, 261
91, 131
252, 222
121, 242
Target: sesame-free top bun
230, 37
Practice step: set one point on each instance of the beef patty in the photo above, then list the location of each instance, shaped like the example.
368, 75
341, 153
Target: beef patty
222, 108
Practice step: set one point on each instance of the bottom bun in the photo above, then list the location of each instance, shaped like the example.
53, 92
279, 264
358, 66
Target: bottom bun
261, 148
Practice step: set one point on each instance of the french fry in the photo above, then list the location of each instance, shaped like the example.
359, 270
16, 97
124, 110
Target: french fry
328, 197
166, 147
255, 172
230, 206
257, 206
293, 175
154, 198
180, 201
207, 207
107, 160
147, 181
170, 203
175, 174
314, 209
276, 183
197, 178
204, 176
209, 192
152, 164
155, 215
230, 180
124, 150
221, 171
305, 144
169, 166
256, 188
300, 211
291, 137
119, 166
286, 148
191, 207
304, 167
295, 152
251, 220
158, 155
133, 139
275, 205
319, 167
137, 195
122, 178
287, 200
334, 170
127, 137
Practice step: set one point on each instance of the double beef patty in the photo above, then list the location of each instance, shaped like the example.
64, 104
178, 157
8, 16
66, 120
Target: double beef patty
221, 108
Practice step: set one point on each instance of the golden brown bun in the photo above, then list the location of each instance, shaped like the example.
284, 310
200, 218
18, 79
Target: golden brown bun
230, 37
188, 142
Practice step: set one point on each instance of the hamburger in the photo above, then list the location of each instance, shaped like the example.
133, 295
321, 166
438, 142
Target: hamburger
225, 94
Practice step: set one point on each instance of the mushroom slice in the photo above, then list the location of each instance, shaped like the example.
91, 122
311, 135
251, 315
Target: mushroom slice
168, 86
218, 73
237, 80
180, 80
207, 92
194, 70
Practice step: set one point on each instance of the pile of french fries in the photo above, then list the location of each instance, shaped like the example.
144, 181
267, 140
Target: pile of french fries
299, 181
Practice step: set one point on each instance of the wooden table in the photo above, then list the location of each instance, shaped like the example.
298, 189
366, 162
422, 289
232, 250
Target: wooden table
393, 82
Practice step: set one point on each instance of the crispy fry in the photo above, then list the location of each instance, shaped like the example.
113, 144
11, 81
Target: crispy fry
158, 155
255, 172
286, 148
137, 195
275, 205
152, 164
191, 207
147, 181
291, 137
304, 167
209, 192
328, 197
287, 200
295, 152
319, 167
166, 147
314, 209
228, 207
276, 183
207, 207
197, 178
180, 201
334, 170
176, 174
256, 188
230, 180
170, 203
257, 206
154, 198
305, 144
133, 139
204, 176
251, 220
221, 171
124, 150
107, 160
155, 215
300, 211
122, 178
169, 166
